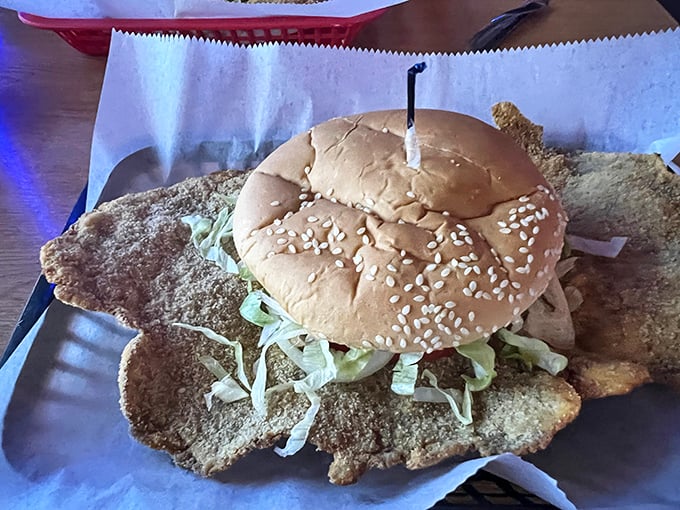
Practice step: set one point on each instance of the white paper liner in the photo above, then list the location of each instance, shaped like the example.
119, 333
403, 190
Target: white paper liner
185, 98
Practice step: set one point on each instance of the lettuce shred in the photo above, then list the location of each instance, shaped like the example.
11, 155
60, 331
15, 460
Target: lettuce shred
531, 351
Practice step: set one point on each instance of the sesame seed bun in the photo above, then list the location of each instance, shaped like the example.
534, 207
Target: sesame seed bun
367, 252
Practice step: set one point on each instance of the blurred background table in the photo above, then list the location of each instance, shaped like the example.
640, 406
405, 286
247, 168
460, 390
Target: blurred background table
49, 94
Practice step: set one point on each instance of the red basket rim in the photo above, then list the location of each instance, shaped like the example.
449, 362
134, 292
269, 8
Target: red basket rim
132, 24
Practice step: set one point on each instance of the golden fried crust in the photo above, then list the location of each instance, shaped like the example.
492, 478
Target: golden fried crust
631, 309
133, 258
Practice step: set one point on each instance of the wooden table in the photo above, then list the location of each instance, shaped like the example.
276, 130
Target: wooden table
49, 94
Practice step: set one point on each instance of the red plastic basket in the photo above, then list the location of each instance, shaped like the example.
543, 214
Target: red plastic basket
93, 36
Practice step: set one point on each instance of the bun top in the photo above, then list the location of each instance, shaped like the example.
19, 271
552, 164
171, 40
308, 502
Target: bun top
367, 252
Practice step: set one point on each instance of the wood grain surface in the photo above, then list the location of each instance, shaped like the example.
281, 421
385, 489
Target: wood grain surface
49, 94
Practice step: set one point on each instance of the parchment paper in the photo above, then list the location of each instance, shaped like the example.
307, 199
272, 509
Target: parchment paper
191, 8
202, 105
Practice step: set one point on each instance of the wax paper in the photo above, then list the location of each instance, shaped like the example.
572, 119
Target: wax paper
174, 107
191, 8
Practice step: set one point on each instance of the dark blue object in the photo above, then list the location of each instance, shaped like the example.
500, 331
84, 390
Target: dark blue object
498, 28
411, 92
42, 295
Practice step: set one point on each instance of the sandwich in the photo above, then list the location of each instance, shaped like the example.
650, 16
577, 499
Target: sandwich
338, 297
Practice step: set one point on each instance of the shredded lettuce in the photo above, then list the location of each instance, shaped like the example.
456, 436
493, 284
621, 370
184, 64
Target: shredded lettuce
236, 345
531, 351
610, 248
357, 364
405, 373
483, 359
225, 388
207, 237
300, 431
461, 405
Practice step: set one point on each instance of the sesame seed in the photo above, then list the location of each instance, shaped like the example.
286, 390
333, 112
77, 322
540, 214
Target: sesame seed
503, 284
465, 331
407, 329
317, 251
402, 343
453, 263
430, 267
446, 213
410, 194
515, 310
445, 272
424, 320
511, 298
524, 198
453, 236
360, 267
467, 292
502, 224
458, 243
340, 236
339, 263
501, 295
385, 130
388, 341
389, 281
307, 245
479, 329
373, 270
428, 333
536, 230
361, 230
522, 270
438, 284
509, 259
311, 277
468, 240
391, 268
275, 203
281, 241
438, 258
370, 277
336, 251
308, 169
396, 328
366, 343
419, 298
407, 262
394, 299
432, 244
467, 271
379, 339
523, 249
365, 239
496, 290
406, 309
514, 226
505, 231
417, 323
401, 318
516, 285
420, 279
531, 241
408, 287
523, 236
532, 292
530, 258
471, 316
269, 231
458, 322
493, 278
312, 219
